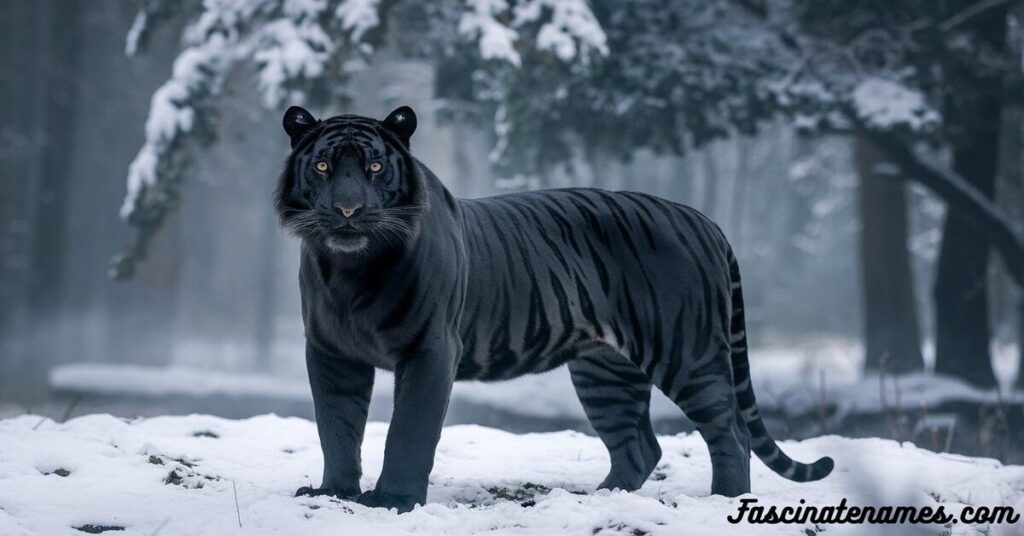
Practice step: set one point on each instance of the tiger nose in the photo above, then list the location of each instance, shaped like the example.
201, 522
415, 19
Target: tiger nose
347, 211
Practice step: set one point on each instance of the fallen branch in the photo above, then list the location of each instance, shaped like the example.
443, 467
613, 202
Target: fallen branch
238, 512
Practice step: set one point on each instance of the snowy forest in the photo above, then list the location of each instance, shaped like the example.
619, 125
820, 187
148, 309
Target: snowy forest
865, 160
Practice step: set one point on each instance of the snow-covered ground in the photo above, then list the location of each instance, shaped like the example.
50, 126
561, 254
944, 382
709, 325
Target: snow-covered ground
181, 475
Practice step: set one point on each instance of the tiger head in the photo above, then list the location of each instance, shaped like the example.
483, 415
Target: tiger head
350, 185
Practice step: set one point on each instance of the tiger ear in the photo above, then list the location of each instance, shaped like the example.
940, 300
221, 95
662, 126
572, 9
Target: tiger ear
297, 121
402, 122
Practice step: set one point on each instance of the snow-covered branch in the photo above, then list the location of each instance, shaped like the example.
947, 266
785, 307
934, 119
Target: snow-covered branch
566, 28
176, 113
290, 41
960, 195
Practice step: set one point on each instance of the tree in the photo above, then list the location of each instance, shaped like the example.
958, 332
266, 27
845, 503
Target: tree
953, 54
974, 109
961, 285
892, 337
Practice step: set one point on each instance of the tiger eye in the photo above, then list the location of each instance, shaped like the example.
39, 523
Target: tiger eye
321, 166
375, 167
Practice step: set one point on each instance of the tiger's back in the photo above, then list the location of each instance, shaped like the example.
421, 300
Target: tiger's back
555, 272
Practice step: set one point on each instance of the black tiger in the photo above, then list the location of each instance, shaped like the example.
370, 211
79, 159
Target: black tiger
629, 290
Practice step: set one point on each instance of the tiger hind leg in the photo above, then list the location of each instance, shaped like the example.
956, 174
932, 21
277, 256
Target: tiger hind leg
707, 398
729, 446
616, 397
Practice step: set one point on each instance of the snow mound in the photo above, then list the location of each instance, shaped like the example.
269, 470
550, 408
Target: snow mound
180, 475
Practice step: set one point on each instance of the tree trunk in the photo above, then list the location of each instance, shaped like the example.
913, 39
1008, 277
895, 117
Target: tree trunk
961, 285
1013, 162
974, 113
891, 332
1007, 297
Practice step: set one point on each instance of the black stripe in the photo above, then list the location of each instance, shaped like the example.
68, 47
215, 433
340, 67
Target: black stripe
586, 305
563, 309
602, 271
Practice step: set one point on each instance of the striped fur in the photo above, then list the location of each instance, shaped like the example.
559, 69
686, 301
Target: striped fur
631, 291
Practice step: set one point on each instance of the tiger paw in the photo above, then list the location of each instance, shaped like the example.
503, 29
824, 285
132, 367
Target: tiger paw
376, 499
341, 493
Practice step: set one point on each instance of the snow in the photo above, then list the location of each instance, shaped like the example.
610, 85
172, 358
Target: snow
568, 29
197, 72
496, 41
289, 50
885, 104
179, 475
358, 17
303, 9
135, 33
571, 21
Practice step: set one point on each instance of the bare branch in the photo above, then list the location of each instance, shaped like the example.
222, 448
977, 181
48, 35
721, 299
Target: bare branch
967, 14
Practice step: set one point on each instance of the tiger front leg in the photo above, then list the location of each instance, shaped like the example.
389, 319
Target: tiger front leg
341, 400
423, 384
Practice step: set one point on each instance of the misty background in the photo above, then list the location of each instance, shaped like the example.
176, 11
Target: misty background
834, 257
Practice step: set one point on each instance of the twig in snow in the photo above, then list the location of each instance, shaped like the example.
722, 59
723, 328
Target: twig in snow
901, 418
237, 511
67, 412
949, 437
895, 419
1003, 424
71, 407
160, 527
822, 402
933, 430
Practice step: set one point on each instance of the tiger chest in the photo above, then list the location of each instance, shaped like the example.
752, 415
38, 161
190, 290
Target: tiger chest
342, 332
